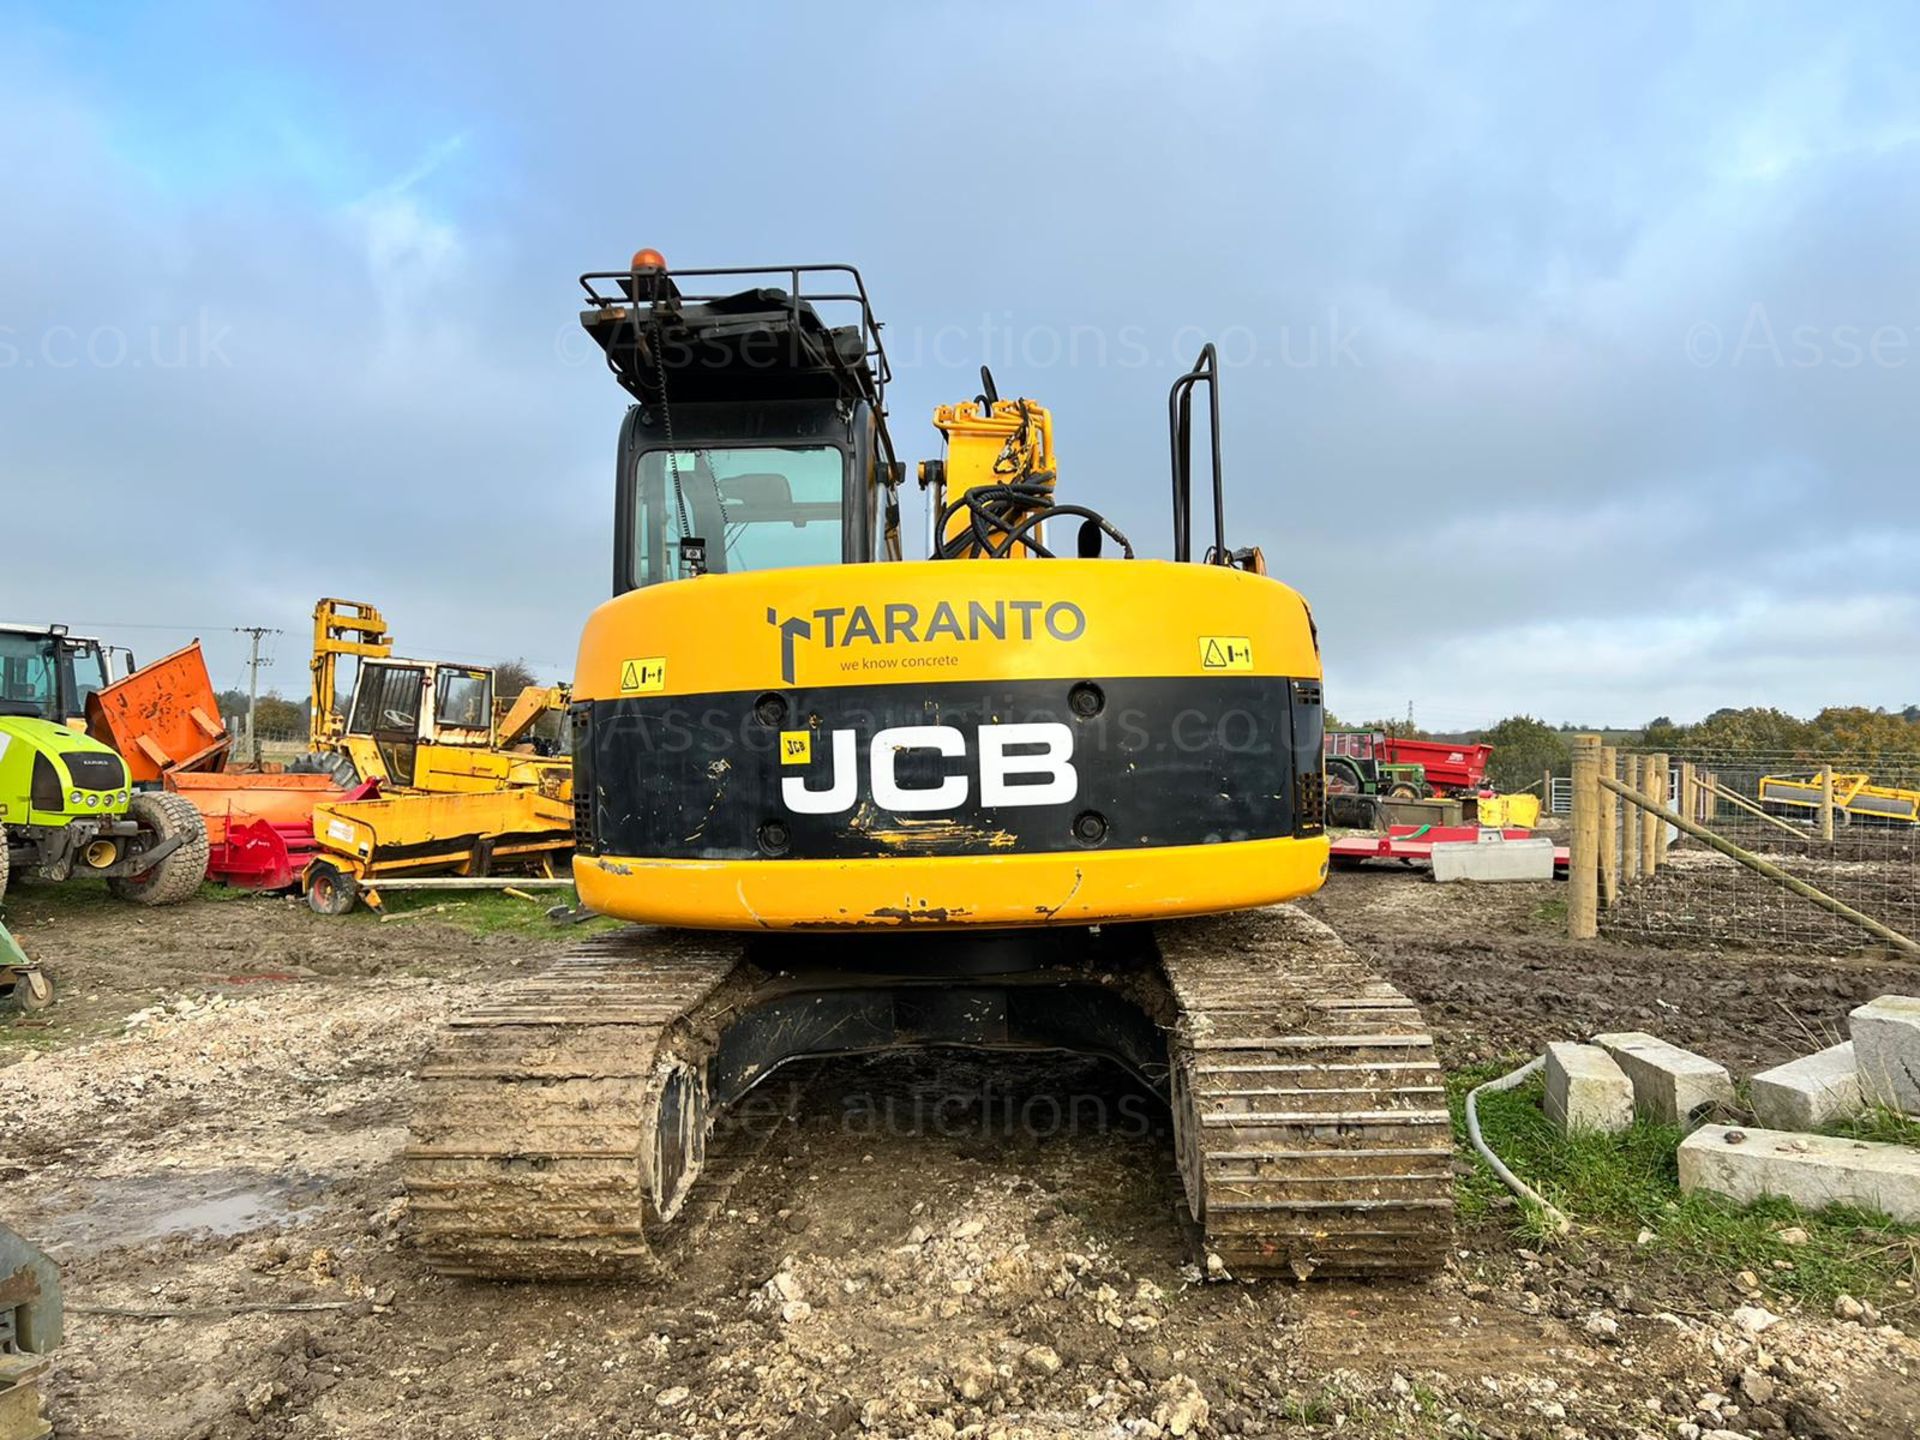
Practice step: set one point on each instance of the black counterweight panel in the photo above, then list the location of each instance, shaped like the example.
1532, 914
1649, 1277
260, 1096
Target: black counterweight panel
792, 774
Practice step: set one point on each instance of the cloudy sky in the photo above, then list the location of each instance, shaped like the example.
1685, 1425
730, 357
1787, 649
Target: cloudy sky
1573, 350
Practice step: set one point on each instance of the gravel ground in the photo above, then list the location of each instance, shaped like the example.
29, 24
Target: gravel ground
212, 1122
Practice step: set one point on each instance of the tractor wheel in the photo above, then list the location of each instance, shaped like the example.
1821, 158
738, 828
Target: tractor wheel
178, 876
5, 862
1402, 790
1343, 776
32, 990
330, 891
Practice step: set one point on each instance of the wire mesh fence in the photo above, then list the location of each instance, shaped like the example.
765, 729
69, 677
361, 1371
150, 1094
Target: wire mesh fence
1847, 825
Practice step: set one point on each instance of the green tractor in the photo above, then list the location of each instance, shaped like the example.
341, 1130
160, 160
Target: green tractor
66, 804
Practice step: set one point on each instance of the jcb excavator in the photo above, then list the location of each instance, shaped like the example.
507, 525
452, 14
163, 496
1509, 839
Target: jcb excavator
1002, 797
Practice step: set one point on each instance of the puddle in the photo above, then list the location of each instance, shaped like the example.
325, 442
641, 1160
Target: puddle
109, 1213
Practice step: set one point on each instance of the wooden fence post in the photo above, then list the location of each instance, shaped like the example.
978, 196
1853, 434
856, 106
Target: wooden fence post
1826, 803
1649, 862
1609, 829
1583, 903
1630, 828
1658, 784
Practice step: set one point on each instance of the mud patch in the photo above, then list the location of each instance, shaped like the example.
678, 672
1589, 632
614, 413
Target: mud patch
101, 1215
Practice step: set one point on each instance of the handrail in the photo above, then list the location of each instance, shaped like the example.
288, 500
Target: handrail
1180, 424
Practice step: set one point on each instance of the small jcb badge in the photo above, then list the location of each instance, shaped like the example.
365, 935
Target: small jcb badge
796, 747
643, 677
1226, 652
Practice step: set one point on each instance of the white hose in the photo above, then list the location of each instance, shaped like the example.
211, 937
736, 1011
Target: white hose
1512, 1181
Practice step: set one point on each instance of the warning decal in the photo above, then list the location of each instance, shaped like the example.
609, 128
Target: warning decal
796, 747
1226, 652
642, 677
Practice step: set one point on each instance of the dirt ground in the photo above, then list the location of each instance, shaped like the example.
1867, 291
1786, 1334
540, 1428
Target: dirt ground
929, 1246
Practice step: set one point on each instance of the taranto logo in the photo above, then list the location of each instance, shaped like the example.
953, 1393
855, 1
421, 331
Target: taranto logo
844, 627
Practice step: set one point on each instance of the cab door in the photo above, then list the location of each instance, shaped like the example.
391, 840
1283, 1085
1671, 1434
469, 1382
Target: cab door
387, 708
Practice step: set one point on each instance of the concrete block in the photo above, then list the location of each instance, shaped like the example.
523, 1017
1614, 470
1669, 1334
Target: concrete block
1807, 1093
1670, 1085
1586, 1090
1886, 1051
1493, 861
1813, 1171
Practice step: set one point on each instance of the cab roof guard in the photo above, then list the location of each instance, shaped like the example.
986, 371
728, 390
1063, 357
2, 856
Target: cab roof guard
705, 331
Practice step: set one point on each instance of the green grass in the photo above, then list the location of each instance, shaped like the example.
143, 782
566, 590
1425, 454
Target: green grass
485, 912
1887, 1127
1614, 1186
17, 1041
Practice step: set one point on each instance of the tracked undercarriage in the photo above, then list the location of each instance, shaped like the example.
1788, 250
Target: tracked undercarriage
566, 1130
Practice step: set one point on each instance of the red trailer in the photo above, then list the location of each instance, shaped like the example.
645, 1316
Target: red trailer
1449, 769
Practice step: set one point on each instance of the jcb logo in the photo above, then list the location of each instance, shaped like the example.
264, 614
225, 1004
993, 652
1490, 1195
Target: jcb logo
1025, 764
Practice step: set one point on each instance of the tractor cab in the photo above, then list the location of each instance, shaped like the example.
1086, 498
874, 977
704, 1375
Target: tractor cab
758, 437
399, 705
47, 674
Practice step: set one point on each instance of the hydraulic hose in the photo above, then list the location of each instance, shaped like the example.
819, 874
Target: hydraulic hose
1512, 1181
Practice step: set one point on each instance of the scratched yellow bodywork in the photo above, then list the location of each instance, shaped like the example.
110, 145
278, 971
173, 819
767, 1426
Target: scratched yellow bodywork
463, 769
719, 634
421, 832
1058, 888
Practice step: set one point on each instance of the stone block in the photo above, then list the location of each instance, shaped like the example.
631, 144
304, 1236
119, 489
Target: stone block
1886, 1051
1586, 1091
1494, 861
1813, 1171
1808, 1093
1670, 1085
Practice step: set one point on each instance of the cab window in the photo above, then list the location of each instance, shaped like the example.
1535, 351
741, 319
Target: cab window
387, 699
89, 673
29, 672
756, 507
463, 699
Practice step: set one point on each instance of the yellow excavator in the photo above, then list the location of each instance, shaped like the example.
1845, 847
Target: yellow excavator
1032, 792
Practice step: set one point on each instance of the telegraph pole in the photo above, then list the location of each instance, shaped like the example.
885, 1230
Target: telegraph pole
254, 662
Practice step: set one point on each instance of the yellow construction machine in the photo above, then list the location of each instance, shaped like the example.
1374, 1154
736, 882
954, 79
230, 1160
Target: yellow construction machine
1854, 797
422, 724
463, 787
1032, 792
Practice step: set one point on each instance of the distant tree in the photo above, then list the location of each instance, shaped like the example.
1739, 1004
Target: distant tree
1853, 729
1757, 727
1662, 734
1524, 749
277, 716
1761, 730
1397, 727
510, 677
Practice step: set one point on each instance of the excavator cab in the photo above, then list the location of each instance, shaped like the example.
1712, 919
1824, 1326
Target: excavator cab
758, 435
